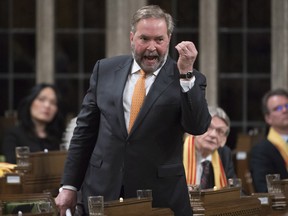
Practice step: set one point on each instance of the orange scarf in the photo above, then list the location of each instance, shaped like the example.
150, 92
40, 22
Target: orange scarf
189, 160
279, 143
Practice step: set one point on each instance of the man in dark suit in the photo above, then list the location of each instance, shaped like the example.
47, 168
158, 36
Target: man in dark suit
108, 158
209, 149
270, 155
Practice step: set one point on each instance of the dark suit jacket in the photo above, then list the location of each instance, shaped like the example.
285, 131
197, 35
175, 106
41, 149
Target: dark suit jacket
265, 159
227, 162
104, 157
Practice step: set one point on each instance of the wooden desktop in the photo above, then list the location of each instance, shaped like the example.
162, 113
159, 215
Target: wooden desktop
43, 174
45, 171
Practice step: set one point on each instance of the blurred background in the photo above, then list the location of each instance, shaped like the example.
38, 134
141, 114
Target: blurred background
242, 48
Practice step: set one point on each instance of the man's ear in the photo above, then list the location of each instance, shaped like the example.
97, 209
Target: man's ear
223, 141
131, 36
267, 119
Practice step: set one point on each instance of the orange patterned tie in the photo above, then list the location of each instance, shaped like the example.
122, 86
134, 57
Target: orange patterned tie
137, 98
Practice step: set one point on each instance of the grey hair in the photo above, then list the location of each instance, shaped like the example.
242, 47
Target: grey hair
220, 113
152, 11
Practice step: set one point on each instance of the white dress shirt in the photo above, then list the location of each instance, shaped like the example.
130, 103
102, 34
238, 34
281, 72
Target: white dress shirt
131, 81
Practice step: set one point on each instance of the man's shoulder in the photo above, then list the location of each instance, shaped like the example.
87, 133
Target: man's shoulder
116, 59
114, 62
263, 142
262, 146
224, 149
224, 153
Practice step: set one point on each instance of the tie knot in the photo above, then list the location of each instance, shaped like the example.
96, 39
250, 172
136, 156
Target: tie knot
142, 73
205, 163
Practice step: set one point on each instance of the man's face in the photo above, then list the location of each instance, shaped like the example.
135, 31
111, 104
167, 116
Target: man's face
278, 113
216, 134
150, 43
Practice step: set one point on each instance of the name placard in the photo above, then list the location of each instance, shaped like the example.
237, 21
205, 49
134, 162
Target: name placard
13, 179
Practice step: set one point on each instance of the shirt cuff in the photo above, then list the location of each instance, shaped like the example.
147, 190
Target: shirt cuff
187, 84
68, 187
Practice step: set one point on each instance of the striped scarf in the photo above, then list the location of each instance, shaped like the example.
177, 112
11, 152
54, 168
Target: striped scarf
279, 143
189, 160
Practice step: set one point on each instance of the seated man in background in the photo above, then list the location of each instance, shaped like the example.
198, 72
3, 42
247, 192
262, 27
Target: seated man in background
209, 149
271, 154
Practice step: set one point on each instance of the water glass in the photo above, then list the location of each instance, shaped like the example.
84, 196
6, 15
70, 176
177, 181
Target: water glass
147, 193
44, 206
235, 182
96, 205
22, 156
194, 192
269, 180
140, 194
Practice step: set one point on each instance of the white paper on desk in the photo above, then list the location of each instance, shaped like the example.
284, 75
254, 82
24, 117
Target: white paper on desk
264, 200
13, 179
241, 155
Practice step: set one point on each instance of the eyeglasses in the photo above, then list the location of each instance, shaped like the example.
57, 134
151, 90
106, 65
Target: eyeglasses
221, 131
280, 108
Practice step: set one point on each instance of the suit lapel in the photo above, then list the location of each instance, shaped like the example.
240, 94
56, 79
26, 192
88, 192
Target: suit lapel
121, 75
161, 83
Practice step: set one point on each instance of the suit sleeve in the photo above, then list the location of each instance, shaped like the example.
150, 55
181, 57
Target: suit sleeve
195, 115
84, 136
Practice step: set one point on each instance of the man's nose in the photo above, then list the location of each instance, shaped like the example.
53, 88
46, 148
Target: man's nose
213, 132
151, 47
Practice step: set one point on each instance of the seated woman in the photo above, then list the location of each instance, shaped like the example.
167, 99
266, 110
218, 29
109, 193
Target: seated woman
40, 123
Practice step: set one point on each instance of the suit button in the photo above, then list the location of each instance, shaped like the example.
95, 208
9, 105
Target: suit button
122, 168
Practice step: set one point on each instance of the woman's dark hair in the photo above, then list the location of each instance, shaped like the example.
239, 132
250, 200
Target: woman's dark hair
56, 127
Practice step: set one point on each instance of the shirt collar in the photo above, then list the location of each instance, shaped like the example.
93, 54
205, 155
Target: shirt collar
200, 159
285, 137
136, 68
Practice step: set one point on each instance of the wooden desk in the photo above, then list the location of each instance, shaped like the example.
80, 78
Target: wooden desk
214, 206
228, 201
135, 207
11, 184
46, 171
44, 174
245, 206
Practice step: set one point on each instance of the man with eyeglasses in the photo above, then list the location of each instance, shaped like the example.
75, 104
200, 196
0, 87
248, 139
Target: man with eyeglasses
209, 152
271, 154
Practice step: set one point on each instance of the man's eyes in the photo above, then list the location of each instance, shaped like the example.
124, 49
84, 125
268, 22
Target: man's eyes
147, 39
